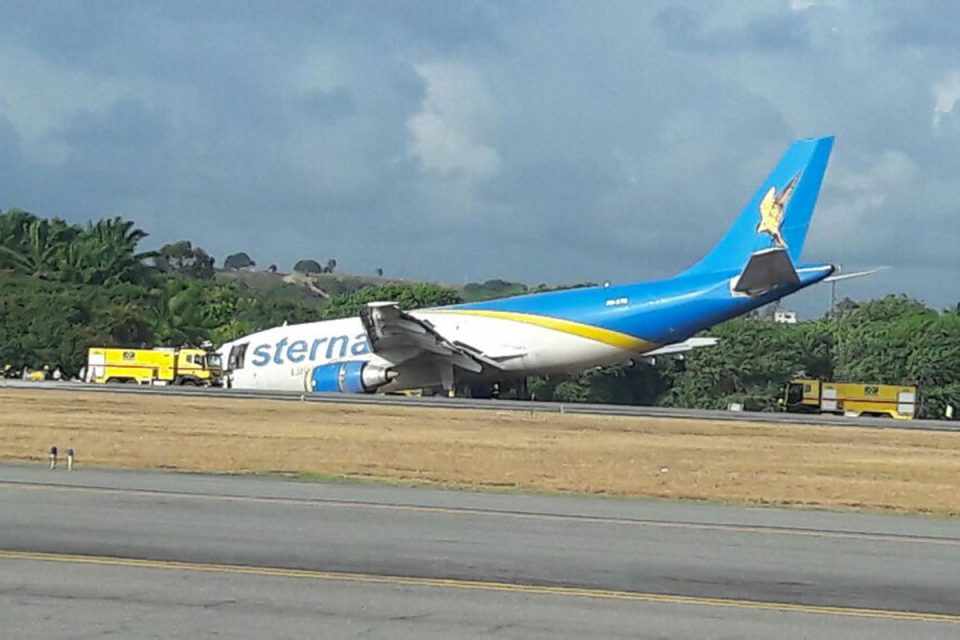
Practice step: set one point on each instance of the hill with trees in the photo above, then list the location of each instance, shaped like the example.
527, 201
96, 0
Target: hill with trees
64, 288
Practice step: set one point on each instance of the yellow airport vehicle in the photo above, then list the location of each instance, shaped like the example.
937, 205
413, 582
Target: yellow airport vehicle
163, 365
851, 399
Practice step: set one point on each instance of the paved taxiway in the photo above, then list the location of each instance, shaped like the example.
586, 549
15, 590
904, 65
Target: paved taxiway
264, 557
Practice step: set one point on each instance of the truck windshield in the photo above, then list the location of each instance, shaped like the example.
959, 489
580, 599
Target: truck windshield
794, 393
213, 361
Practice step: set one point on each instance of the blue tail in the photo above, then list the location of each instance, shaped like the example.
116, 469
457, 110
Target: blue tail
778, 215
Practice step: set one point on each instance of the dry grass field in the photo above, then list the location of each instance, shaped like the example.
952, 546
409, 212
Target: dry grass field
723, 461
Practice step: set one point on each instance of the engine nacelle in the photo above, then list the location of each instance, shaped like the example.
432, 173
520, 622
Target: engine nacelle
348, 377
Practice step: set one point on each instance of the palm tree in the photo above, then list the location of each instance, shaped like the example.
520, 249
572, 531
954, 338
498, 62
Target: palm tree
106, 253
125, 323
13, 232
37, 253
174, 314
117, 232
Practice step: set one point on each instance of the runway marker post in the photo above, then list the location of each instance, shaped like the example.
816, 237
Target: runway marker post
70, 453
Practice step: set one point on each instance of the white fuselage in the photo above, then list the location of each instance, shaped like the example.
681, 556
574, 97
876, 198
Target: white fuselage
283, 357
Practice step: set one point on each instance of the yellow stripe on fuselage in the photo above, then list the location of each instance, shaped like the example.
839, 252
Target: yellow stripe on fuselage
606, 336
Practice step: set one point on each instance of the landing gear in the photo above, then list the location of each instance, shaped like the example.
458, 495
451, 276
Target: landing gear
523, 392
481, 391
485, 390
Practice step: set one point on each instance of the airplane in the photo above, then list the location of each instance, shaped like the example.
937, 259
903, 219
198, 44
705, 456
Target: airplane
388, 349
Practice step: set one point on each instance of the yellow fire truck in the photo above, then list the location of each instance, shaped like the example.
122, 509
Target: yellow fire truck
163, 365
814, 396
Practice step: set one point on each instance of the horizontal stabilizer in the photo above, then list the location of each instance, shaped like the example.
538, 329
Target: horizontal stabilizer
766, 269
851, 276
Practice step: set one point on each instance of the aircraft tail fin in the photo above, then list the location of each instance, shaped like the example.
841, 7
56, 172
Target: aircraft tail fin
778, 215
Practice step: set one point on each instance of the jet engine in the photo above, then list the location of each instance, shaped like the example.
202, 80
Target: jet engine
349, 377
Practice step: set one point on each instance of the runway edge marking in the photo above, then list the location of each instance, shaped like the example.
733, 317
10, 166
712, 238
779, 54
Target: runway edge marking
477, 585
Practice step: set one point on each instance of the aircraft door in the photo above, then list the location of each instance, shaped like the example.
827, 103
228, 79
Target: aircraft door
237, 356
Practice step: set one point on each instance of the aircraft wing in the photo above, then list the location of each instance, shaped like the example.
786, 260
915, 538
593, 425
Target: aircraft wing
679, 347
391, 331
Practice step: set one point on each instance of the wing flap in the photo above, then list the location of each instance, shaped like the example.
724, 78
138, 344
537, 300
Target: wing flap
391, 330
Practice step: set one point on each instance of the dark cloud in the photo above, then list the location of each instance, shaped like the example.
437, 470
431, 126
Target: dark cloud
539, 141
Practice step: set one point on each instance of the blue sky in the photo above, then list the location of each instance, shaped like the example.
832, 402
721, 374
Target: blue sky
535, 141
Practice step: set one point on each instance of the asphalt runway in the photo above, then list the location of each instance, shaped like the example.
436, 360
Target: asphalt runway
150, 554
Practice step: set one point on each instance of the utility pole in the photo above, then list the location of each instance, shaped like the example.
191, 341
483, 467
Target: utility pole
833, 293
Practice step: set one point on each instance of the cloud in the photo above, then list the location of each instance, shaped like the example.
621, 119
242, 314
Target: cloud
802, 5
536, 141
692, 29
946, 93
856, 200
38, 97
447, 131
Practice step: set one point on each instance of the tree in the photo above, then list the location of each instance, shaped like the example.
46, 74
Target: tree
32, 334
570, 391
14, 225
308, 267
112, 251
35, 251
751, 364
100, 253
237, 261
380, 275
188, 311
474, 291
844, 307
408, 296
104, 253
126, 324
331, 266
183, 258
875, 339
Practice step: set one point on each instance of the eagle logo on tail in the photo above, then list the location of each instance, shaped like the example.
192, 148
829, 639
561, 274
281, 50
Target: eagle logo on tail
773, 209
